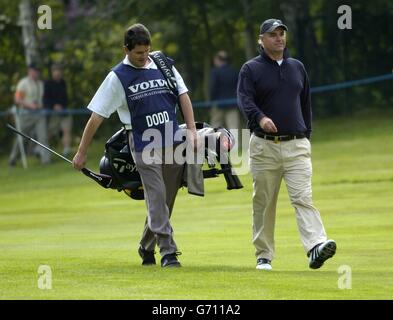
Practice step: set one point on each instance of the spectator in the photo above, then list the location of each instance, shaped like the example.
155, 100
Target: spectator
28, 97
223, 82
56, 99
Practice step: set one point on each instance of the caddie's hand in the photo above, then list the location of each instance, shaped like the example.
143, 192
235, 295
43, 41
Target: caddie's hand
79, 161
192, 137
267, 125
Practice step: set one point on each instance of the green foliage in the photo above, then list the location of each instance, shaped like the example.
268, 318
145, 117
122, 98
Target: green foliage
88, 40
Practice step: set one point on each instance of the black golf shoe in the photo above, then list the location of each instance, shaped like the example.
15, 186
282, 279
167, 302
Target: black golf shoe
148, 258
321, 252
170, 260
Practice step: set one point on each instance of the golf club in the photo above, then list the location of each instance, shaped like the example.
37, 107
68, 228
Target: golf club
102, 179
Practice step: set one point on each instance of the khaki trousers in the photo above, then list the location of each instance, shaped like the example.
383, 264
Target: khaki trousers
270, 162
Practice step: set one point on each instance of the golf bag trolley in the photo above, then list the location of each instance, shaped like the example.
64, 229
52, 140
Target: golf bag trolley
118, 162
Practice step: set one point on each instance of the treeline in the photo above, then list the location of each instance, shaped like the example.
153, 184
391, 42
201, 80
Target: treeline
87, 37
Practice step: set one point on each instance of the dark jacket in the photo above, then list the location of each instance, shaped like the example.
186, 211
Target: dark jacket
223, 82
55, 92
281, 93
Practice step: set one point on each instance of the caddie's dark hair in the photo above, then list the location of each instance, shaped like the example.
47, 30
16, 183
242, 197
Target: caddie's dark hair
137, 34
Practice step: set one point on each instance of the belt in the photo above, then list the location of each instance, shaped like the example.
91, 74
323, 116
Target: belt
277, 139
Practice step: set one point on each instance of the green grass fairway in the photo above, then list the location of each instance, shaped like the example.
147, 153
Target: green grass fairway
89, 236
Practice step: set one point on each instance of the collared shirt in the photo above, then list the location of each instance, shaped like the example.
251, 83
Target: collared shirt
110, 96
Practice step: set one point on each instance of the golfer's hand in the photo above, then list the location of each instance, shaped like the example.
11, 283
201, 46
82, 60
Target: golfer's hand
79, 161
267, 125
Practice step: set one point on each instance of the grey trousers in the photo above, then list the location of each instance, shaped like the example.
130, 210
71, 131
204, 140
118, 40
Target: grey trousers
160, 183
33, 123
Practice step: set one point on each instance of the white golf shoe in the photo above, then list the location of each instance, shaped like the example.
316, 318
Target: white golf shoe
263, 264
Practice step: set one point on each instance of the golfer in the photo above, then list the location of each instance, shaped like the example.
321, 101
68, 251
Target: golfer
274, 94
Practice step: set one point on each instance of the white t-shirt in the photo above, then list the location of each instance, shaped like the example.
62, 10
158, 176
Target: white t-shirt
110, 96
280, 61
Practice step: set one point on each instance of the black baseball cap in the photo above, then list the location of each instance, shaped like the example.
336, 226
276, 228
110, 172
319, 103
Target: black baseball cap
270, 25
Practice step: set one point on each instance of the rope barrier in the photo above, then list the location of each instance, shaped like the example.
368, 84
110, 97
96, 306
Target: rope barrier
225, 102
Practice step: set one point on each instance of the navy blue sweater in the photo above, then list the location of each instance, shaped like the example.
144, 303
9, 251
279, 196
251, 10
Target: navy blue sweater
281, 93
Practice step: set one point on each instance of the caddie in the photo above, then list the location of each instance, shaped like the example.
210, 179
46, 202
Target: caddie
144, 99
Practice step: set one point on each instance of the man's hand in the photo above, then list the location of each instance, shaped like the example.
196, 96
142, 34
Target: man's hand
31, 105
188, 113
79, 160
267, 125
92, 125
57, 107
192, 138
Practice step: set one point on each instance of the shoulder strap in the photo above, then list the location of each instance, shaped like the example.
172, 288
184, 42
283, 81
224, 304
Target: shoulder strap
163, 65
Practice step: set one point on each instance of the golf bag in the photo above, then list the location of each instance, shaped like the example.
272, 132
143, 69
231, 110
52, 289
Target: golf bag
118, 162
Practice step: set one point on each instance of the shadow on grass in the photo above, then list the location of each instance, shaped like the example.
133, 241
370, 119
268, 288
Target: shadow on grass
132, 269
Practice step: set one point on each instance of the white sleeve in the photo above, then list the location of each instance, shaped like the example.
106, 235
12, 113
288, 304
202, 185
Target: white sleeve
181, 86
109, 97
